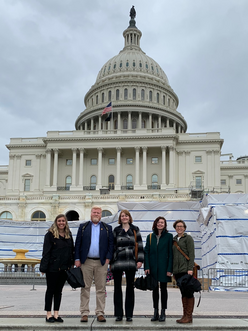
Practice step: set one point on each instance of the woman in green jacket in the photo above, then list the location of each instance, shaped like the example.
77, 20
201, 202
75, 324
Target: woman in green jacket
158, 263
182, 266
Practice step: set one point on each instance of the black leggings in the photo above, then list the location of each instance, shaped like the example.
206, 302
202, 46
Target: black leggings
55, 283
164, 296
129, 302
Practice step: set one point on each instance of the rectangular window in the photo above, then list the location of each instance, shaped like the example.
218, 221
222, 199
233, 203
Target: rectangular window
129, 161
198, 182
154, 160
93, 161
238, 181
111, 161
223, 182
198, 159
28, 163
69, 162
27, 185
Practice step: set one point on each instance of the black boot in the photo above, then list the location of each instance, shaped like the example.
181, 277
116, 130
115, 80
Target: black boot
155, 315
162, 316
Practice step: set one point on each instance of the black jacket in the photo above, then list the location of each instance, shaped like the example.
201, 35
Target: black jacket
58, 254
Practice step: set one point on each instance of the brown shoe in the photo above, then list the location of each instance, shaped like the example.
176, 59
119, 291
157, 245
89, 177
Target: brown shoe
84, 318
101, 318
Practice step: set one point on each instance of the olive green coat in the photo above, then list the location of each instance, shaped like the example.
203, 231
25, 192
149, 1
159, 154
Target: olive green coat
158, 258
180, 263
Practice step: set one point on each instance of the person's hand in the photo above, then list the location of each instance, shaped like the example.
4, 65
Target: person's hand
107, 261
190, 272
139, 265
77, 263
147, 271
169, 274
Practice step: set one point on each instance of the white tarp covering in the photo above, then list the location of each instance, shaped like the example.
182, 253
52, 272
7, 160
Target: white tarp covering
224, 226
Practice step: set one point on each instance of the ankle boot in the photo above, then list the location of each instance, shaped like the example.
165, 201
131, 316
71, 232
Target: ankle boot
184, 303
162, 316
155, 315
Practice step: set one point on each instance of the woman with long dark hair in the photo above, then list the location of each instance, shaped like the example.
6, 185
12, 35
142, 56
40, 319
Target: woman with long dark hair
57, 257
158, 263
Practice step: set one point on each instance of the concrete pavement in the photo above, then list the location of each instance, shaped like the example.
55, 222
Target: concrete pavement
22, 308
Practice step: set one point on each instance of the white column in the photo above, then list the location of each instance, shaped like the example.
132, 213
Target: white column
99, 163
119, 121
91, 124
167, 122
55, 168
37, 172
144, 180
17, 173
48, 167
187, 169
181, 169
74, 168
150, 120
140, 119
129, 123
208, 180
81, 167
137, 184
11, 172
100, 123
172, 165
163, 170
118, 169
217, 169
159, 122
246, 183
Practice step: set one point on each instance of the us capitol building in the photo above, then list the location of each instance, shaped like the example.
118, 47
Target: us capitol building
143, 153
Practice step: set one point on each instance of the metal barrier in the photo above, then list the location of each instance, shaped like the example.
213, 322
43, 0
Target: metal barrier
220, 277
24, 277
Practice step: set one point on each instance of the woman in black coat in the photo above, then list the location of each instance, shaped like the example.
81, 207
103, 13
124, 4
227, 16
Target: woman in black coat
57, 257
158, 263
126, 237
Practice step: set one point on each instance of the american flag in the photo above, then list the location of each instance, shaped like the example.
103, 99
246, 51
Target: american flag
107, 109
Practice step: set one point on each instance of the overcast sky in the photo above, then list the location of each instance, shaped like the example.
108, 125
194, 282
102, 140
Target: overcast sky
52, 50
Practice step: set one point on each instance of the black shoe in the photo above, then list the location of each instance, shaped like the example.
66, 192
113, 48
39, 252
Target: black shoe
118, 318
155, 315
162, 316
59, 319
129, 319
50, 319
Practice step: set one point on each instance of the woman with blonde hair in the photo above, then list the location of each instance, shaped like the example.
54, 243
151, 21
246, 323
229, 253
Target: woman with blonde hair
57, 257
128, 258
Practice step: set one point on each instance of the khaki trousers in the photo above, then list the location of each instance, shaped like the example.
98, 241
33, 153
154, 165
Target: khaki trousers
93, 269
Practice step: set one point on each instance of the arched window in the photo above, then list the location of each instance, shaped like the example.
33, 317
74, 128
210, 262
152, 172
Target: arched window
6, 215
134, 94
154, 181
93, 182
157, 97
103, 97
111, 182
125, 94
109, 95
150, 95
117, 94
142, 94
97, 99
129, 183
67, 183
106, 213
143, 124
134, 123
38, 216
125, 124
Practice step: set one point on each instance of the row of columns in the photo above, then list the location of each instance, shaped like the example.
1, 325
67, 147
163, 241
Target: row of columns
137, 184
110, 124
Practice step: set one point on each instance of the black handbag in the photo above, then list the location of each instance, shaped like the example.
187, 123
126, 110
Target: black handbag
75, 277
145, 283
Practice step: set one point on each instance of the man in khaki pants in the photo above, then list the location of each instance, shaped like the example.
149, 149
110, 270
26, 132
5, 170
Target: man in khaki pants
93, 252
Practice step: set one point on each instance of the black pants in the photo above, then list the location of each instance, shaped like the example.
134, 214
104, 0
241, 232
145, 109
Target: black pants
129, 301
184, 294
55, 283
164, 296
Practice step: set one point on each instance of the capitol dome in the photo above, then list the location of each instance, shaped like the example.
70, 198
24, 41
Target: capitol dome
132, 79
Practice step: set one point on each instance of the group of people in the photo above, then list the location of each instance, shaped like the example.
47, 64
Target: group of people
97, 247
